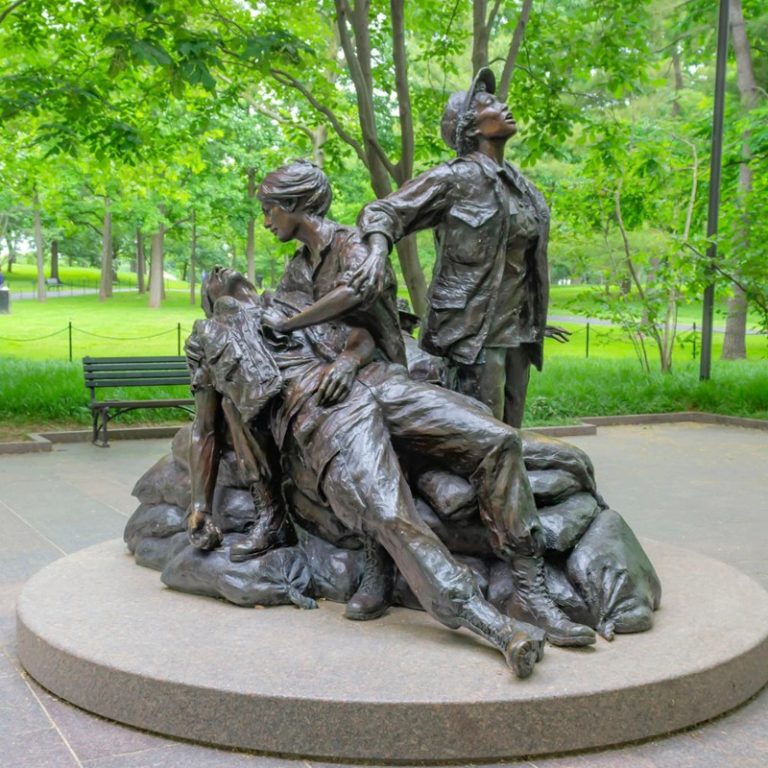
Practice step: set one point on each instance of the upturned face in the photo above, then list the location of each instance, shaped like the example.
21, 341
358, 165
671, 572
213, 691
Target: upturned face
283, 224
493, 120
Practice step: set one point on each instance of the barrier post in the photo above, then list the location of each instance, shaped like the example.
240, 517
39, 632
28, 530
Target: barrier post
694, 341
70, 340
587, 341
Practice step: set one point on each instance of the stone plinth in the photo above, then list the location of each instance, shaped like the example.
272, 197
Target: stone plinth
106, 635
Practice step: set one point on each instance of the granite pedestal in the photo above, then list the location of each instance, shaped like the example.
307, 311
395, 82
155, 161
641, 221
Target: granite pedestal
105, 634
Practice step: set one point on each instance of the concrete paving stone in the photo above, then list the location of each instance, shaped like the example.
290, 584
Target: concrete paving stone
702, 477
23, 551
20, 711
93, 737
8, 594
7, 667
610, 759
7, 630
36, 749
181, 755
64, 515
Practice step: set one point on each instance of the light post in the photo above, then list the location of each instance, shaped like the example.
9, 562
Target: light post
714, 189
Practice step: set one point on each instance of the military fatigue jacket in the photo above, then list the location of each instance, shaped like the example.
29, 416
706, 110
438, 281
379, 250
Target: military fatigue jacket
473, 217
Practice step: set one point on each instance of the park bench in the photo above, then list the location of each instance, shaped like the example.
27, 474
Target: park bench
107, 372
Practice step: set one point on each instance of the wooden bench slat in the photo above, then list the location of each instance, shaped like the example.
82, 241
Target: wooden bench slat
138, 381
151, 364
144, 359
142, 403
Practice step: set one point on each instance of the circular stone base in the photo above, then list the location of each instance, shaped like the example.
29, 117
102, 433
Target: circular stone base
105, 634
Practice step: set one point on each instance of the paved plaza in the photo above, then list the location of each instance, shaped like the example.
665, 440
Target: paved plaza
699, 486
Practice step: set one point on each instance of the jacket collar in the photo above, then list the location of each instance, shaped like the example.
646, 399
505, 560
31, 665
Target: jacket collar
507, 172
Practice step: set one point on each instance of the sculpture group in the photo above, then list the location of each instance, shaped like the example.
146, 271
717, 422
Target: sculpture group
330, 456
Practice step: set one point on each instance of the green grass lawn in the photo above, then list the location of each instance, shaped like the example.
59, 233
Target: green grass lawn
38, 394
575, 300
568, 389
121, 326
24, 278
124, 325
39, 387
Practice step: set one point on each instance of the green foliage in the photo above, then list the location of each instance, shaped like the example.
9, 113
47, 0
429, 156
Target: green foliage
162, 108
570, 389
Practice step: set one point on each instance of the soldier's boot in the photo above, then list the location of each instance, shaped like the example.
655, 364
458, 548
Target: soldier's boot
374, 594
532, 603
521, 644
268, 531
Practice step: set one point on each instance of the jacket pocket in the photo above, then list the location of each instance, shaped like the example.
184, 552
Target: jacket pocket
469, 236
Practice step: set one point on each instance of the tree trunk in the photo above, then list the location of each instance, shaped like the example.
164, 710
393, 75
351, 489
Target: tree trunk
251, 234
735, 341
357, 52
11, 252
39, 249
514, 50
55, 261
192, 259
105, 283
678, 72
319, 137
156, 268
481, 35
233, 262
408, 256
140, 261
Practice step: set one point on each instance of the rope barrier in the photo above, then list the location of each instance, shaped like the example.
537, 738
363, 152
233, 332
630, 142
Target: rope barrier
124, 338
36, 338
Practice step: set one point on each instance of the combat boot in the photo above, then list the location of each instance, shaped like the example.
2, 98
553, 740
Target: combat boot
521, 643
374, 594
268, 531
531, 602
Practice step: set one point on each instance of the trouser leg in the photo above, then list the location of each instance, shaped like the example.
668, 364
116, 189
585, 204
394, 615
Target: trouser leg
452, 430
517, 374
365, 487
483, 382
501, 382
255, 469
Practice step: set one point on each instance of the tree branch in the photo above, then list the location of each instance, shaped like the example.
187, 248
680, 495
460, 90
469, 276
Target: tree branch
492, 16
285, 79
480, 35
627, 252
400, 58
363, 93
514, 50
9, 9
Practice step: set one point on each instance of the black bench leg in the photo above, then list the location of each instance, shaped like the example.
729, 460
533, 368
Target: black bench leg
102, 428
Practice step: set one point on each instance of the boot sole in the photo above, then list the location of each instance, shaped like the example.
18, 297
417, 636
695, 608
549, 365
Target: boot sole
362, 616
521, 656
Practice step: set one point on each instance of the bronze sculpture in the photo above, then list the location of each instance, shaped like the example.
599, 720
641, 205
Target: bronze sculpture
320, 446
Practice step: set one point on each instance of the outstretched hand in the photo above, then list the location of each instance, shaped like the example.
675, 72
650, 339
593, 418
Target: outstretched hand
337, 380
560, 335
